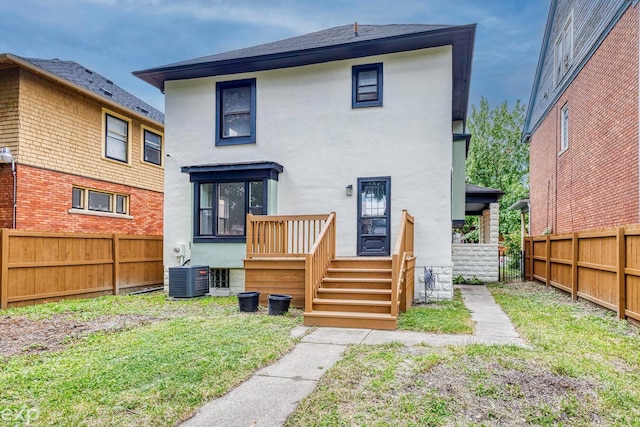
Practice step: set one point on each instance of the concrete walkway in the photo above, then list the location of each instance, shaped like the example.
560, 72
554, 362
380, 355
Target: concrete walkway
271, 394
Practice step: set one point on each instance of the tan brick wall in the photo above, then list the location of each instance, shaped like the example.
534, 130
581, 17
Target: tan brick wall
44, 200
595, 182
62, 130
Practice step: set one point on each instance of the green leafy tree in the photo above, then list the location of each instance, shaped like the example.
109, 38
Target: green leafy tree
498, 159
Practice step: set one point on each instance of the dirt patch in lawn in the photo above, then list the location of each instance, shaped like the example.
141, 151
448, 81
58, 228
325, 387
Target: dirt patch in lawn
481, 392
21, 335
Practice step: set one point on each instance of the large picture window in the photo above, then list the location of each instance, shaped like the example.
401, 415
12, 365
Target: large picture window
236, 112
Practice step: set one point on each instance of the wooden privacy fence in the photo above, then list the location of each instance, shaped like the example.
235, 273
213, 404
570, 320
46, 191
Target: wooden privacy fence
602, 266
37, 267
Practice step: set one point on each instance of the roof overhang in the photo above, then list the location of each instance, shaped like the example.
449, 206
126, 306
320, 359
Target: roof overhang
521, 205
477, 199
9, 59
242, 171
466, 137
461, 38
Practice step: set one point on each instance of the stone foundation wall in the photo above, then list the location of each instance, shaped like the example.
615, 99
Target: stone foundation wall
480, 260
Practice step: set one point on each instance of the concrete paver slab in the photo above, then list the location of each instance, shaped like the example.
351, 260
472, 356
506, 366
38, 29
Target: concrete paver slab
258, 402
307, 361
337, 336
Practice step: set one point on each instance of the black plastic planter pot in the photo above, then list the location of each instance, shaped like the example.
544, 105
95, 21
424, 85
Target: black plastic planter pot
279, 304
248, 301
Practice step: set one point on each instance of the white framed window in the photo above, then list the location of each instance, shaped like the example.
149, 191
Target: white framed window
563, 52
564, 128
116, 137
88, 200
152, 148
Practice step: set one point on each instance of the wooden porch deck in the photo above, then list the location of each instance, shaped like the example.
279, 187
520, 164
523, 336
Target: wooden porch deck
295, 255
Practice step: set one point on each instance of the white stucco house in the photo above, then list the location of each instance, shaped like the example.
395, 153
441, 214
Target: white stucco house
362, 121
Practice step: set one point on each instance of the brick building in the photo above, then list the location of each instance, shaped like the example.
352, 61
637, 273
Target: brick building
582, 118
88, 156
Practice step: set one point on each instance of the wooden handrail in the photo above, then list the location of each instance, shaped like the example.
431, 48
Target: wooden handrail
285, 235
317, 261
403, 249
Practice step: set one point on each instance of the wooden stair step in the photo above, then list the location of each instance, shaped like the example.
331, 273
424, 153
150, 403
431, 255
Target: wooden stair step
343, 319
358, 270
355, 293
366, 302
354, 280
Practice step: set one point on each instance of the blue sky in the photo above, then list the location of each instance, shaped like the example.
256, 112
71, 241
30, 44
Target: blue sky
116, 37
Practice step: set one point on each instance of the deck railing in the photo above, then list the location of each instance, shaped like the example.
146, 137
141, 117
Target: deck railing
318, 260
283, 235
403, 251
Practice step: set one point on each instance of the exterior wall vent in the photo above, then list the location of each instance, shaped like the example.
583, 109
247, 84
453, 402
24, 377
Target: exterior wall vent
188, 281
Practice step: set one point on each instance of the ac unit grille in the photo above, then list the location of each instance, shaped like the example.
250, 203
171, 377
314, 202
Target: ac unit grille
188, 281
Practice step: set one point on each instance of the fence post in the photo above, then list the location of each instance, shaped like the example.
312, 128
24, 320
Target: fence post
530, 246
116, 264
548, 260
621, 260
4, 268
574, 266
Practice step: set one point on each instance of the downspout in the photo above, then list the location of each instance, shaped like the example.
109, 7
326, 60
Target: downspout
15, 192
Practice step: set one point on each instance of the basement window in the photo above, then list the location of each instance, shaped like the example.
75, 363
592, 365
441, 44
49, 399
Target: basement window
219, 278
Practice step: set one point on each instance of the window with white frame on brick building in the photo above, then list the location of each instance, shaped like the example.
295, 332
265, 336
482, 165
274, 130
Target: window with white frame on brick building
564, 128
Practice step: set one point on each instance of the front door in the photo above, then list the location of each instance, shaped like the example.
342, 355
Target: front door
374, 200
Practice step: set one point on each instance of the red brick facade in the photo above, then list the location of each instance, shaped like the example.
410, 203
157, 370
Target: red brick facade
44, 200
594, 183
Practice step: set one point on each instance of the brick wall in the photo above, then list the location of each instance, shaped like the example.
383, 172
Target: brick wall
44, 200
594, 183
62, 130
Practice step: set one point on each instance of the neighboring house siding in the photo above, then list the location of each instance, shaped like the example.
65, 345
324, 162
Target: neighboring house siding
589, 20
9, 89
62, 130
44, 201
594, 183
305, 121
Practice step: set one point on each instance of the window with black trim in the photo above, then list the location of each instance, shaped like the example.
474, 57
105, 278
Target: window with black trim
116, 138
366, 85
152, 147
222, 207
236, 112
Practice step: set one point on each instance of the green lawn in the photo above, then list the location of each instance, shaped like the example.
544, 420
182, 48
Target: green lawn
583, 369
155, 373
445, 317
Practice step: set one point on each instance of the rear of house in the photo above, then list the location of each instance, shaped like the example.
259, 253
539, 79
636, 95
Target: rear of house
356, 121
582, 119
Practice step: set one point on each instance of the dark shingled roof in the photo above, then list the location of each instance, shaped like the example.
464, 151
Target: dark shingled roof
331, 37
333, 44
94, 82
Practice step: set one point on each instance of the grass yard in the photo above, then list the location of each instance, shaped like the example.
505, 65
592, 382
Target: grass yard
583, 369
444, 317
136, 360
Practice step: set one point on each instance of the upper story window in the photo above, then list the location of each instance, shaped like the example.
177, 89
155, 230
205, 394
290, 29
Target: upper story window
152, 152
564, 128
564, 50
116, 137
236, 112
366, 85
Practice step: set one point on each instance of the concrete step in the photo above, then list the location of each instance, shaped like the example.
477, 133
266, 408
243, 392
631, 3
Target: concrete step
341, 319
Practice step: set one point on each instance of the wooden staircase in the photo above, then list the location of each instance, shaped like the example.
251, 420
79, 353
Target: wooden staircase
355, 293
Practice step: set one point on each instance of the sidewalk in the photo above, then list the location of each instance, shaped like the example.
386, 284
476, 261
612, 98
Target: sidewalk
272, 393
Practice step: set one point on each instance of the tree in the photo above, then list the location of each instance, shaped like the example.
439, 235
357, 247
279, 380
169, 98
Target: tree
499, 159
